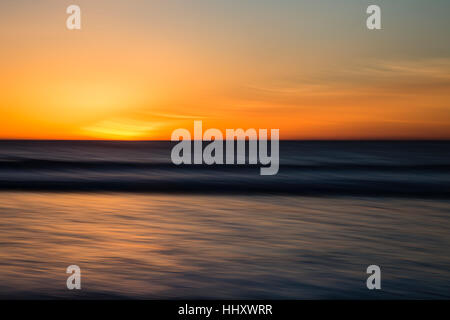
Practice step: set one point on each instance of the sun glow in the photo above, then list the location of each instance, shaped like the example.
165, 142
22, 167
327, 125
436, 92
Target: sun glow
121, 129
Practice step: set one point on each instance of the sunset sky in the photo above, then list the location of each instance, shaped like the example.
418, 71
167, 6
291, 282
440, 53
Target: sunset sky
141, 69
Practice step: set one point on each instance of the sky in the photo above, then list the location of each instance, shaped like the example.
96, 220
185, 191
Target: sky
137, 70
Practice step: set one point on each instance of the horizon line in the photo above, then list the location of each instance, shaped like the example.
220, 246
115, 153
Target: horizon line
165, 140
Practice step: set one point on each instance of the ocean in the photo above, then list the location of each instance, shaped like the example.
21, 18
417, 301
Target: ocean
140, 227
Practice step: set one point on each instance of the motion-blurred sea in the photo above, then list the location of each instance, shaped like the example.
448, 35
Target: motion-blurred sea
140, 227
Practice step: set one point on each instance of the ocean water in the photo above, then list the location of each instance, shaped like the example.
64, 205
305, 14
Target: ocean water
140, 227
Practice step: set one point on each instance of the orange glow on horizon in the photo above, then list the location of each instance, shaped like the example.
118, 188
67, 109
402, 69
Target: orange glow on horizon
124, 80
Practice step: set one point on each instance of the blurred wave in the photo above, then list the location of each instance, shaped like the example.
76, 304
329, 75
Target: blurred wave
159, 246
366, 168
